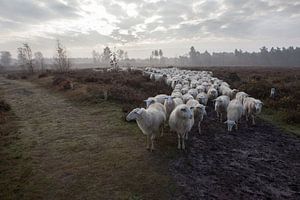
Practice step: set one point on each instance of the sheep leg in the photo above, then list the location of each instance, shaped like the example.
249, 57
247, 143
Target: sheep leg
179, 143
221, 117
186, 136
148, 146
162, 131
183, 143
253, 121
236, 126
199, 127
152, 142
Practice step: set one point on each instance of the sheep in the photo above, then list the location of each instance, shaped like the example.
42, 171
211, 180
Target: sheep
234, 113
193, 92
184, 90
152, 76
181, 121
169, 105
178, 101
252, 107
212, 93
272, 94
160, 98
149, 120
241, 96
187, 97
229, 92
198, 112
202, 98
221, 104
176, 94
200, 88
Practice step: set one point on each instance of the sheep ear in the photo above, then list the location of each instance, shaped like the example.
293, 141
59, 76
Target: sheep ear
139, 111
226, 122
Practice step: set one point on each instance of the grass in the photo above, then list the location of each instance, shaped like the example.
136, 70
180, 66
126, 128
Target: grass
95, 154
275, 117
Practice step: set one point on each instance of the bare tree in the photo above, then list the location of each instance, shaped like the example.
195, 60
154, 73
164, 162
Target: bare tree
61, 61
39, 61
25, 57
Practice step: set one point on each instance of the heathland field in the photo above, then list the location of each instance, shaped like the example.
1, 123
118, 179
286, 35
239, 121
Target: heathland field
64, 136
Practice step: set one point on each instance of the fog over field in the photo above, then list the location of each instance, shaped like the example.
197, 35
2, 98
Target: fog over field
140, 26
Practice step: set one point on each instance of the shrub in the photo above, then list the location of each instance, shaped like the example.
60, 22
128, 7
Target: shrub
43, 75
291, 117
4, 107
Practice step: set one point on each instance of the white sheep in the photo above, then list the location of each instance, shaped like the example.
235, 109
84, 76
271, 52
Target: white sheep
157, 99
176, 94
149, 120
212, 93
200, 88
187, 97
198, 112
193, 92
252, 107
272, 94
241, 96
202, 98
181, 121
234, 114
221, 104
169, 105
177, 101
229, 92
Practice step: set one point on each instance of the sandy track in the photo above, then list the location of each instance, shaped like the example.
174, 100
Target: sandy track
79, 152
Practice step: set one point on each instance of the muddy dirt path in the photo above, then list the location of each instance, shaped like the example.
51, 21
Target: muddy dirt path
79, 152
255, 162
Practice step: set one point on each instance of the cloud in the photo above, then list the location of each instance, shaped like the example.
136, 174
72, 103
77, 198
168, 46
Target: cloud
137, 23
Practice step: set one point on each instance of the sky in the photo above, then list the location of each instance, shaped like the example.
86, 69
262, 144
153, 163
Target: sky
140, 26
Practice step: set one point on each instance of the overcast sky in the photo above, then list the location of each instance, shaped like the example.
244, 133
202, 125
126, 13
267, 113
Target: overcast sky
139, 26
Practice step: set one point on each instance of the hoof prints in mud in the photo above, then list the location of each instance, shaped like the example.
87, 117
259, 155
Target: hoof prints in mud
255, 162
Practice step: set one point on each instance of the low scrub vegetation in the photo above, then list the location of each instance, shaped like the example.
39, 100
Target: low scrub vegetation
128, 88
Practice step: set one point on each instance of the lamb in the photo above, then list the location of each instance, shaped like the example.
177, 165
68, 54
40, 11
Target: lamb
181, 121
212, 93
221, 104
202, 98
149, 120
234, 114
241, 96
252, 107
169, 105
198, 112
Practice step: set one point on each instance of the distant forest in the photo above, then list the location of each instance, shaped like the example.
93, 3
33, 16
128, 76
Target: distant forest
265, 57
281, 57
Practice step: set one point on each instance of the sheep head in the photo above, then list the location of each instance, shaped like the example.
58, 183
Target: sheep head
135, 114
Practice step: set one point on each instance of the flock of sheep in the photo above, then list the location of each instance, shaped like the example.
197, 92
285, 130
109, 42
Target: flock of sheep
185, 106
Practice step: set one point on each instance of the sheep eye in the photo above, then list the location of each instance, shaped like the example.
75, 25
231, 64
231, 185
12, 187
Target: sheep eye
183, 109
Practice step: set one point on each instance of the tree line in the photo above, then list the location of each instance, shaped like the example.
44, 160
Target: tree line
265, 57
